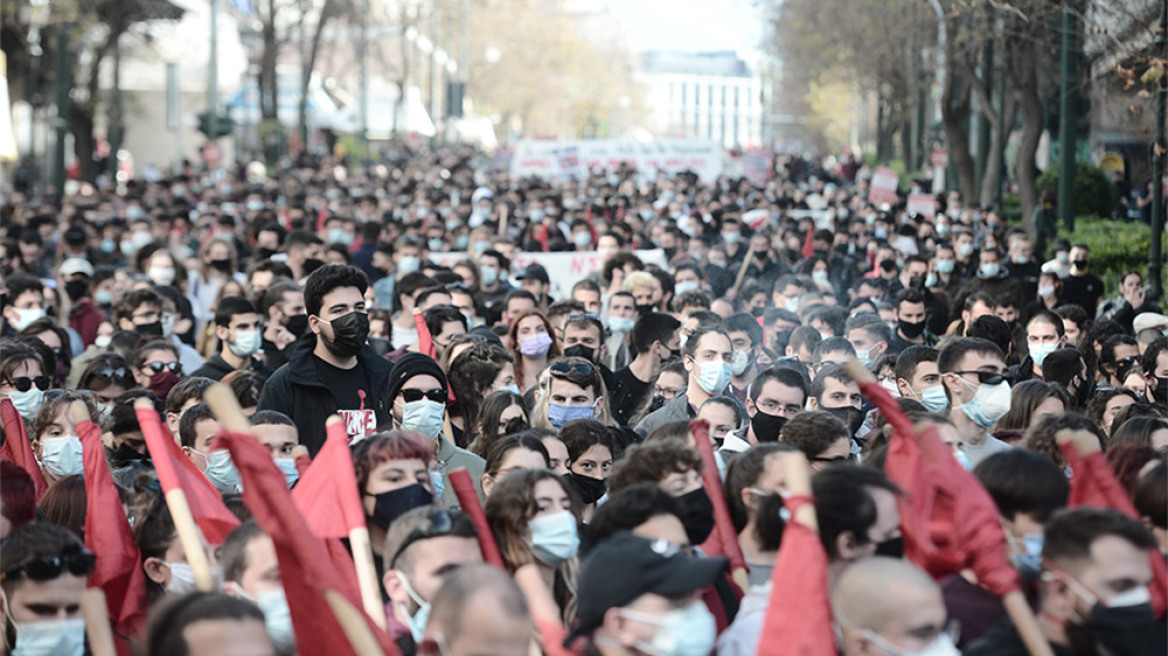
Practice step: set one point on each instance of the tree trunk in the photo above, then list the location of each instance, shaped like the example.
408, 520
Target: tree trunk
81, 127
326, 13
268, 85
955, 110
1031, 104
1004, 121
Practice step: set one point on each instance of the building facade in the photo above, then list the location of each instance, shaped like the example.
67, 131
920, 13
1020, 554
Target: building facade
715, 95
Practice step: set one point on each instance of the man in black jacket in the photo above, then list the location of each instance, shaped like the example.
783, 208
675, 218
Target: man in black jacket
237, 326
331, 369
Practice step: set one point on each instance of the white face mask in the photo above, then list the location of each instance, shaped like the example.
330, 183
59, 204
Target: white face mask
182, 578
62, 456
53, 638
246, 343
161, 275
26, 317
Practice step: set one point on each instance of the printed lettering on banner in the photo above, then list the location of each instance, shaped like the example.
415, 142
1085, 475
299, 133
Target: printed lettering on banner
548, 159
883, 186
359, 424
922, 204
564, 269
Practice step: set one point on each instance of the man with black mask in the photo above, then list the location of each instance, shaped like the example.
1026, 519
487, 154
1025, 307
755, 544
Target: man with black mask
834, 391
1093, 596
776, 395
282, 306
1065, 367
1155, 366
857, 515
677, 467
331, 369
656, 341
584, 338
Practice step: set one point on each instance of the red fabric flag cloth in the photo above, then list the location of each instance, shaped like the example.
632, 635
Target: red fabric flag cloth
1093, 483
425, 339
468, 500
306, 571
17, 449
177, 471
798, 616
326, 494
118, 570
948, 519
808, 249
723, 526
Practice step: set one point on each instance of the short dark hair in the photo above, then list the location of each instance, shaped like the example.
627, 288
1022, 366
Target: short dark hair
190, 419
1152, 353
185, 390
629, 508
743, 322
231, 306
301, 238
843, 504
1023, 481
1151, 495
441, 314
128, 303
169, 620
270, 418
652, 461
1070, 533
652, 327
518, 293
992, 329
233, 554
805, 336
463, 586
909, 359
30, 542
813, 432
274, 295
742, 472
1049, 317
828, 372
956, 348
783, 375
328, 278
20, 282
909, 295
691, 344
877, 330
831, 345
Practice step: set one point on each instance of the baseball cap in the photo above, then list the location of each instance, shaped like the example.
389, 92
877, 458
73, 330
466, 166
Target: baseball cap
624, 567
1146, 320
534, 272
75, 265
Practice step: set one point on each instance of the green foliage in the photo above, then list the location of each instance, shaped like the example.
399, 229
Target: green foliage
1116, 246
1012, 209
1093, 192
224, 125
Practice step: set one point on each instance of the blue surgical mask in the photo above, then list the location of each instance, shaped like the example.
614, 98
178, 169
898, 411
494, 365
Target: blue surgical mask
340, 236
620, 324
277, 619
408, 264
51, 638
1038, 352
246, 343
417, 622
437, 483
865, 357
490, 275
287, 467
62, 456
688, 631
220, 470
424, 416
1028, 558
944, 266
554, 538
934, 399
714, 376
436, 244
683, 287
988, 404
28, 403
513, 388
559, 414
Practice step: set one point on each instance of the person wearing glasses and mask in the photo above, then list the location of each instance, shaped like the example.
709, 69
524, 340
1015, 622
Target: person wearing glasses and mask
973, 371
332, 369
156, 367
108, 376
417, 397
422, 546
22, 378
43, 572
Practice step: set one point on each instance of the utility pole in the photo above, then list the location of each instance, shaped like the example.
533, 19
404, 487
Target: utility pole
1067, 97
1159, 164
433, 71
213, 73
61, 64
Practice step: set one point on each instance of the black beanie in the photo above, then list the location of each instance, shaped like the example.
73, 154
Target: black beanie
413, 364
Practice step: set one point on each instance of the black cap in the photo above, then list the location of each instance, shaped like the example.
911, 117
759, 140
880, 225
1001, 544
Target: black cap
413, 364
534, 272
625, 566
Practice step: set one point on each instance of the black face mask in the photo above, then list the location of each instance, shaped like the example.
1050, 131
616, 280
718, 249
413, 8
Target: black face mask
853, 418
1160, 394
312, 264
669, 253
581, 351
76, 289
124, 455
892, 548
769, 523
349, 334
264, 253
888, 266
1081, 265
151, 329
297, 324
590, 489
223, 265
657, 402
916, 282
697, 515
645, 308
761, 256
1121, 629
757, 312
388, 506
911, 330
766, 426
1084, 392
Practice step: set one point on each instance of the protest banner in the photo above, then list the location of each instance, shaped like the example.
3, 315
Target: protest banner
922, 204
564, 269
557, 159
883, 186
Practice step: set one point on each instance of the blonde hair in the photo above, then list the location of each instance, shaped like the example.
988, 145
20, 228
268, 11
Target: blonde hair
638, 279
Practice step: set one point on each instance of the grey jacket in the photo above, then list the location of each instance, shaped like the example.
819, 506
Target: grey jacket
675, 409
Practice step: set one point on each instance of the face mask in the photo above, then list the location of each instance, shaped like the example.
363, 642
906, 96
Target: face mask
880, 233
1159, 395
792, 304
934, 399
168, 322
222, 265
161, 383
910, 329
102, 341
349, 334
535, 346
340, 236
424, 416
388, 506
990, 270
277, 619
437, 484
688, 631
590, 489
220, 470
25, 317
852, 417
435, 244
865, 356
408, 264
490, 275
559, 414
1081, 265
819, 276
297, 324
311, 264
417, 622
697, 515
108, 245
989, 403
767, 426
161, 275
1046, 291
713, 377
1028, 559
152, 329
685, 287
740, 363
963, 460
731, 237
621, 324
28, 404
52, 638
61, 456
964, 250
76, 289
182, 578
103, 297
554, 539
581, 351
287, 467
582, 239
891, 548
461, 242
246, 343
944, 266
1038, 352
942, 645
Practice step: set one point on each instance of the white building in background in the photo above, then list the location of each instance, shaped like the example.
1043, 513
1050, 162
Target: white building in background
715, 95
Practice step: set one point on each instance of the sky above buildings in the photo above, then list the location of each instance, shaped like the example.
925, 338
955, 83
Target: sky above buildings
689, 25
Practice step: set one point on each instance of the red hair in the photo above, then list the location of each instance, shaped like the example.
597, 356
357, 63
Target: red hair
18, 494
389, 445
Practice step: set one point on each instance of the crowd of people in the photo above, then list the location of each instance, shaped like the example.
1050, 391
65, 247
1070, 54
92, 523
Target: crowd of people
316, 292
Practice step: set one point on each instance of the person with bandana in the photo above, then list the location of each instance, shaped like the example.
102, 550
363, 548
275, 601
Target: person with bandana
331, 368
1093, 593
237, 326
250, 571
43, 572
422, 546
973, 372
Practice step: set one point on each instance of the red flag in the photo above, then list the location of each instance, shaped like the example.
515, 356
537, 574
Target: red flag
306, 571
326, 494
808, 249
17, 449
798, 616
118, 570
468, 500
1093, 483
425, 339
177, 471
723, 525
948, 519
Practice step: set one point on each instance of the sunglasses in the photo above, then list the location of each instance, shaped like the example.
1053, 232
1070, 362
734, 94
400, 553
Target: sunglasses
567, 368
50, 567
106, 376
435, 525
24, 383
157, 367
985, 377
412, 395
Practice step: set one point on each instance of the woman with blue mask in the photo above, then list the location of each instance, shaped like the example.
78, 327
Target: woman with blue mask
54, 436
534, 518
22, 378
575, 390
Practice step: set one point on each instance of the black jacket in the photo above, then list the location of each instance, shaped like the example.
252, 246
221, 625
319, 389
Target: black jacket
296, 389
217, 368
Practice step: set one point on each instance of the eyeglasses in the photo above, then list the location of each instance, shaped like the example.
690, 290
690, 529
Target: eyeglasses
985, 377
157, 367
412, 395
581, 369
24, 383
106, 376
584, 315
434, 525
50, 567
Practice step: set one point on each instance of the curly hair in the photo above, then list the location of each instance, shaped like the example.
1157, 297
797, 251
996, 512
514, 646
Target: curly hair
1098, 405
386, 446
813, 432
1040, 439
472, 373
651, 462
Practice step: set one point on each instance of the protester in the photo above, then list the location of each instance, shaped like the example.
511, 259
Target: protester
208, 623
889, 606
478, 607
